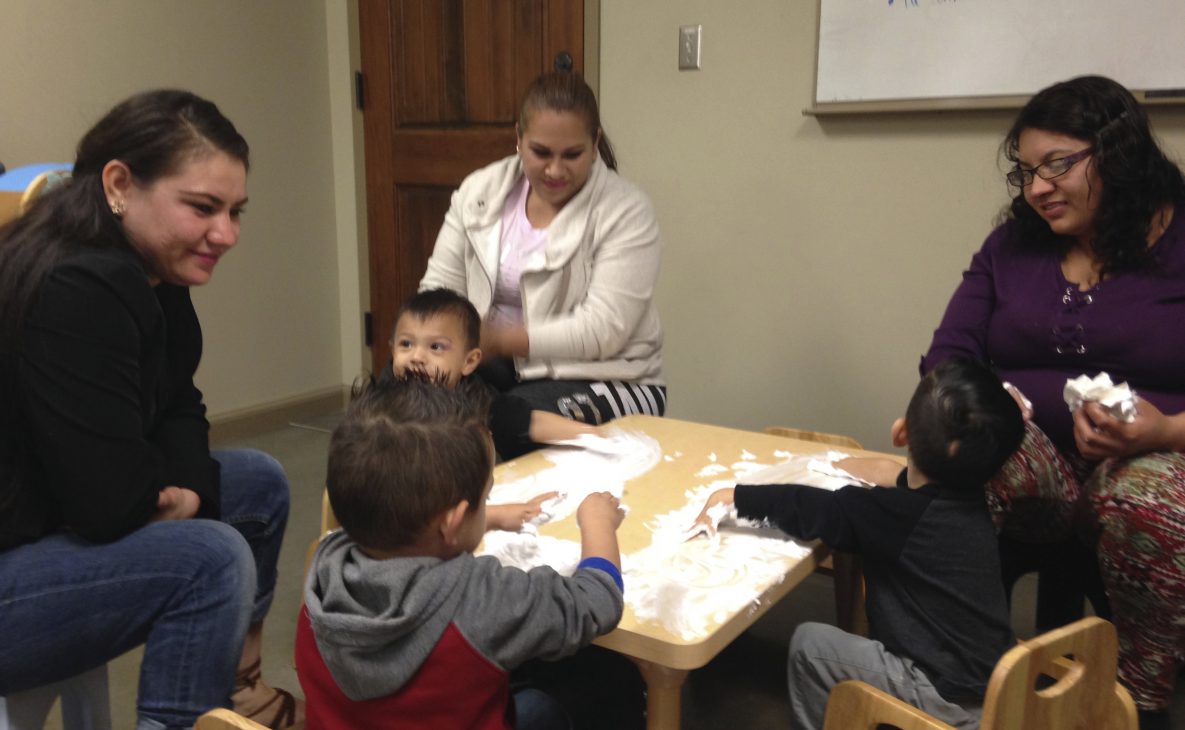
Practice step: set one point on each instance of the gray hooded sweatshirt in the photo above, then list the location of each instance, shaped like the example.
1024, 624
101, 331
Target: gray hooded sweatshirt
378, 622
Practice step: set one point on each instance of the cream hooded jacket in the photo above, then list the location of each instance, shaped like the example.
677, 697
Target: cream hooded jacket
589, 310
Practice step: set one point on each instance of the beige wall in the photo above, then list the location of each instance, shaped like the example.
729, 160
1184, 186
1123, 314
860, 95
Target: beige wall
271, 316
807, 261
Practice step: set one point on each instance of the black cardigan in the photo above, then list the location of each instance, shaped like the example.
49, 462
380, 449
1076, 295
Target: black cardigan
108, 414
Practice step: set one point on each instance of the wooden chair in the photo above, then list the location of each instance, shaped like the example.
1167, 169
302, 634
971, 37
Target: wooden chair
222, 719
856, 705
20, 186
1062, 679
844, 568
85, 700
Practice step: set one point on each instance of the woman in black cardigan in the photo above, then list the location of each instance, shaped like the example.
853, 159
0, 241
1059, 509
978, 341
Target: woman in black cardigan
118, 526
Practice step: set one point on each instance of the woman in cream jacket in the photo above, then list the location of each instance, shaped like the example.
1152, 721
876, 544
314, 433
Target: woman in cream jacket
560, 256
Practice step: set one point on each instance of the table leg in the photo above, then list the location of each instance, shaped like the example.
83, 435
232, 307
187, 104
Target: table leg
663, 694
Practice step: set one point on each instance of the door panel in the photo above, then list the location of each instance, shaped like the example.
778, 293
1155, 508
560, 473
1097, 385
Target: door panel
443, 79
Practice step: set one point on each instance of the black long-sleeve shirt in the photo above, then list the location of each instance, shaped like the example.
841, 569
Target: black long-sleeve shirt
108, 414
931, 568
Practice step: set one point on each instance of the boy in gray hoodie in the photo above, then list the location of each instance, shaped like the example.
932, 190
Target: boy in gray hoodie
402, 625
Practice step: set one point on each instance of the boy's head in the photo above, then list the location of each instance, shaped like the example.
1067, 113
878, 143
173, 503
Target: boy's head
961, 425
437, 332
407, 452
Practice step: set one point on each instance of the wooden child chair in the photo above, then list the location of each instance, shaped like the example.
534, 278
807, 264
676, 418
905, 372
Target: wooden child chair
844, 568
856, 705
1064, 679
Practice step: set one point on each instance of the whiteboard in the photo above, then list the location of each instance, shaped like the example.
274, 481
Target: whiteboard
887, 50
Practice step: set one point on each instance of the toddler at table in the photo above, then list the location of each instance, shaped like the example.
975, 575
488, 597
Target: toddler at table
438, 332
402, 625
937, 612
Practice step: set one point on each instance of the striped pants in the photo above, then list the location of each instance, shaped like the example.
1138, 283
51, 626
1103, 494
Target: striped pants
592, 401
1134, 510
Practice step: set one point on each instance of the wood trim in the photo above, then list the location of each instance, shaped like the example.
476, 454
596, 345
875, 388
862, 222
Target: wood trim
231, 425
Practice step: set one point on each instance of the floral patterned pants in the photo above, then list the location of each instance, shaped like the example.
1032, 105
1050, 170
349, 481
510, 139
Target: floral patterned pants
1134, 510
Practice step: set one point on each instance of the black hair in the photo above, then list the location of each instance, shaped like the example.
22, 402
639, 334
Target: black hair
408, 449
566, 91
1137, 178
434, 302
154, 133
962, 424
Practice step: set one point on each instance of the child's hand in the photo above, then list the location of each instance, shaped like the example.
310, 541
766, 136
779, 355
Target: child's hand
1026, 405
709, 517
512, 517
600, 510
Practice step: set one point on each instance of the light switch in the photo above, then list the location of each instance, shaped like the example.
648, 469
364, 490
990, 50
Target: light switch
689, 47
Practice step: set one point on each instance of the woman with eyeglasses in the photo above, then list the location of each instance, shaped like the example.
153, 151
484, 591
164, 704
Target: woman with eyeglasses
1086, 275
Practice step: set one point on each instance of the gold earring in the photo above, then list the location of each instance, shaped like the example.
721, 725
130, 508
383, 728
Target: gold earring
118, 208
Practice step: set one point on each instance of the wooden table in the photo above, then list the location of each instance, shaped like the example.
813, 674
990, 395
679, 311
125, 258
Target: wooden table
665, 658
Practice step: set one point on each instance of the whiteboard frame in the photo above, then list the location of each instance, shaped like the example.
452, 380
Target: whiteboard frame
1161, 97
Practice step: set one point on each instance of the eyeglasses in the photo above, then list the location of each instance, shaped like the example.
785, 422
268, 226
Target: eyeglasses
1020, 177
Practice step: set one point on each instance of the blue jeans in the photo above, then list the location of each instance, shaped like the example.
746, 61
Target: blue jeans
537, 710
186, 589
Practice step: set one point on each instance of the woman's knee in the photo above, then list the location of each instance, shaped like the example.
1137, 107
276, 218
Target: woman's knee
254, 484
216, 556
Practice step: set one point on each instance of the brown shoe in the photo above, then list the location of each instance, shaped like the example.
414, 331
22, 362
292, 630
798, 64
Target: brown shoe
273, 707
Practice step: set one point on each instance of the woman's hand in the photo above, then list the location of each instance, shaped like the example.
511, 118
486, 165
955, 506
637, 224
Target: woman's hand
176, 503
512, 517
504, 341
1099, 435
547, 428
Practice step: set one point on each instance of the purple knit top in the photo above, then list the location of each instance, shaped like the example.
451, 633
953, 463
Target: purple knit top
1015, 310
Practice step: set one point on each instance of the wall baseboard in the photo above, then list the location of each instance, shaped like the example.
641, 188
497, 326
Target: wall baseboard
231, 425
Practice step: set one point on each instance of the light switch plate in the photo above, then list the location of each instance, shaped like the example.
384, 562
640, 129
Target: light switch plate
689, 47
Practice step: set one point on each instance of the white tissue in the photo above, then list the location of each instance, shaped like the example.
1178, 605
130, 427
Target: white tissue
1118, 400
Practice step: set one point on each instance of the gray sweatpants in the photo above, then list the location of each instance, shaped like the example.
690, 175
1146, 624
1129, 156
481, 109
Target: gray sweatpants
822, 656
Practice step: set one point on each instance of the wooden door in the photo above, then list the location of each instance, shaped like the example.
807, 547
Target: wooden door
442, 82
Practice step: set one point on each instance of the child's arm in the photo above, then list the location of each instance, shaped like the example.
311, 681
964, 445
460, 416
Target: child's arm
599, 516
547, 427
512, 517
879, 471
803, 511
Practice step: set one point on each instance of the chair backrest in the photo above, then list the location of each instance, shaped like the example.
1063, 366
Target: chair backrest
831, 439
328, 519
222, 719
21, 185
856, 705
1064, 679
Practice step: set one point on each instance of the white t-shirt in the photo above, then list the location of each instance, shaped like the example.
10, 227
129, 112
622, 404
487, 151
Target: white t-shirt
520, 249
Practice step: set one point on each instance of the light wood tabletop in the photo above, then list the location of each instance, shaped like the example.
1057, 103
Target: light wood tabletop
664, 657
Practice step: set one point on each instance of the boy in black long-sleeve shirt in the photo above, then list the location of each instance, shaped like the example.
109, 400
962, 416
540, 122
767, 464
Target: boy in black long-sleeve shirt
937, 610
